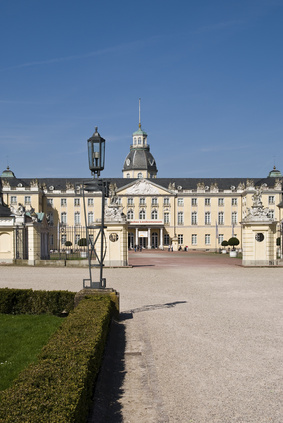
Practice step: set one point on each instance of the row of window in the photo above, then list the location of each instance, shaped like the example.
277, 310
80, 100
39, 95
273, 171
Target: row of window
194, 239
142, 201
77, 218
180, 220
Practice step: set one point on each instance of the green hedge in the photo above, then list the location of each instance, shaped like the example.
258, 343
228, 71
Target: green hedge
27, 301
59, 386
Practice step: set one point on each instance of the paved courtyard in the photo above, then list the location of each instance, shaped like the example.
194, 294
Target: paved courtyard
200, 338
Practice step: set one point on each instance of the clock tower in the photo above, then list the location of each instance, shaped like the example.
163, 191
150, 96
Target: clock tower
139, 163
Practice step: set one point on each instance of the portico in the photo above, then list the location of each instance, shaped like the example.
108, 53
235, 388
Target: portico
146, 233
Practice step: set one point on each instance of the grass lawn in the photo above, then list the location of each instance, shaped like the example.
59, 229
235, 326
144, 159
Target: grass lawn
22, 338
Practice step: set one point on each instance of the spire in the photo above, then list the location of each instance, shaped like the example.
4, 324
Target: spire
139, 113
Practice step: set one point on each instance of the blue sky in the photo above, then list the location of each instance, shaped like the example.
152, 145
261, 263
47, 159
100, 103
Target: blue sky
209, 75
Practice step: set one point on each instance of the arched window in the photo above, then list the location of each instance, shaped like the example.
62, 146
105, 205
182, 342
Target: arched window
154, 215
128, 175
142, 214
139, 141
139, 175
130, 215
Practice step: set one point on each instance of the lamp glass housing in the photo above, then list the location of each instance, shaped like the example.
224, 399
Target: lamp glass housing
96, 152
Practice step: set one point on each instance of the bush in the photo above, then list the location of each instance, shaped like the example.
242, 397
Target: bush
233, 242
68, 244
27, 301
82, 242
59, 386
224, 243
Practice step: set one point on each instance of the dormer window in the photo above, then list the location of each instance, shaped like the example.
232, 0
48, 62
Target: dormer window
139, 141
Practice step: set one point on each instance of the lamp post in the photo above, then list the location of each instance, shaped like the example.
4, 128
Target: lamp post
96, 159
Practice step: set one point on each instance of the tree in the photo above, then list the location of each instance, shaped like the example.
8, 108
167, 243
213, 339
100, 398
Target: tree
233, 242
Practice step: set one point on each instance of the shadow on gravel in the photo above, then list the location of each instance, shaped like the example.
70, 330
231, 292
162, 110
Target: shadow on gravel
128, 314
106, 406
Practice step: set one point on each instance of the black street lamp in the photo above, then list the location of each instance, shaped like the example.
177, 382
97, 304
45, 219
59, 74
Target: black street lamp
96, 159
96, 153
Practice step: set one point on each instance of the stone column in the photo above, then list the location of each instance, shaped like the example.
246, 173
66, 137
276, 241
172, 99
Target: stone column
148, 238
137, 237
161, 239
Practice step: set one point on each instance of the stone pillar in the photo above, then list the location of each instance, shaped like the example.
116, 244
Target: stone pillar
259, 244
149, 238
34, 242
259, 235
161, 239
137, 237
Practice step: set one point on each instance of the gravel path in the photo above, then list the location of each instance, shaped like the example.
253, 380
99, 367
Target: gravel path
196, 343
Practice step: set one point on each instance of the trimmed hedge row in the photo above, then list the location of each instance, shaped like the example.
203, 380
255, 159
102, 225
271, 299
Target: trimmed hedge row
59, 386
27, 301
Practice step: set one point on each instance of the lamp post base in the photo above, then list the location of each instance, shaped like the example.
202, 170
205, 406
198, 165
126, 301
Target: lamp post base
94, 285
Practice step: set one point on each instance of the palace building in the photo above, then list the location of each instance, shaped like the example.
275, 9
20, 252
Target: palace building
198, 213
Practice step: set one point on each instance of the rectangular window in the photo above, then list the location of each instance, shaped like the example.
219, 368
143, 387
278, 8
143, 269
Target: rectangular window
77, 218
194, 239
180, 201
13, 199
234, 217
50, 202
90, 218
166, 201
207, 239
77, 201
220, 218
234, 201
194, 218
64, 218
90, 201
27, 199
220, 201
194, 201
220, 239
271, 199
180, 218
166, 218
154, 201
51, 240
142, 201
77, 238
180, 239
130, 201
207, 201
207, 219
271, 214
166, 239
63, 239
63, 202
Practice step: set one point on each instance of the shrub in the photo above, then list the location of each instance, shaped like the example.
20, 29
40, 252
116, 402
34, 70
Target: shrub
59, 386
233, 242
27, 301
68, 243
82, 242
224, 243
